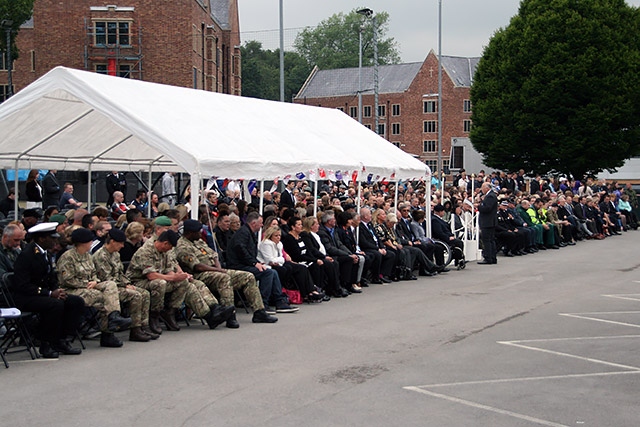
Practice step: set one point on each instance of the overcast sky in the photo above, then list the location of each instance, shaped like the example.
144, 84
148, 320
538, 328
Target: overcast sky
467, 25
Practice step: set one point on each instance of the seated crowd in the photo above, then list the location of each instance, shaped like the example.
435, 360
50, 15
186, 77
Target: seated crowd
115, 269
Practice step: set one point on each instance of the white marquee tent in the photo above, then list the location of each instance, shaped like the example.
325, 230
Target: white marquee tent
77, 120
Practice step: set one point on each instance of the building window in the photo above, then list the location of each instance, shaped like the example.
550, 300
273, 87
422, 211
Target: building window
112, 33
4, 63
353, 112
445, 166
33, 60
368, 126
433, 164
430, 126
430, 146
382, 110
457, 158
366, 111
397, 144
395, 110
466, 126
341, 109
466, 106
429, 107
395, 129
4, 92
381, 129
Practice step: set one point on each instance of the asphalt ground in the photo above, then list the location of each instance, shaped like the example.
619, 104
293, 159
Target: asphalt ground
549, 339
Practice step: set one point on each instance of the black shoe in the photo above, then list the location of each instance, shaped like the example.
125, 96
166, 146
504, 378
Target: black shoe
117, 323
261, 316
353, 290
428, 274
364, 282
219, 314
376, 282
232, 322
345, 293
63, 346
484, 262
47, 352
508, 254
385, 280
108, 339
542, 248
285, 308
326, 298
571, 243
555, 247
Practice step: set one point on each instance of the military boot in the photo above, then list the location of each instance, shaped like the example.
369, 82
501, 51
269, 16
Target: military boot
232, 322
117, 323
147, 330
154, 322
219, 314
137, 334
169, 318
108, 339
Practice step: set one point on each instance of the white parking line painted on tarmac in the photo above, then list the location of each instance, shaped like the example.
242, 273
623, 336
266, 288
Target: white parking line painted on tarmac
486, 407
607, 337
587, 316
525, 379
628, 297
573, 356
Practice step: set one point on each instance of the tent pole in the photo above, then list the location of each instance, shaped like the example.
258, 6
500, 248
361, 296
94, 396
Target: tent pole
359, 202
261, 208
149, 192
395, 201
89, 188
427, 207
315, 195
17, 194
196, 179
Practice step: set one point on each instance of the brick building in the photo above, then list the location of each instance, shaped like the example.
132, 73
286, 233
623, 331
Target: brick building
407, 102
189, 43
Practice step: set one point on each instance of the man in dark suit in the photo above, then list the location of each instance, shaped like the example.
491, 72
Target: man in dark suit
406, 237
487, 220
347, 260
381, 260
35, 288
441, 230
50, 189
287, 198
115, 182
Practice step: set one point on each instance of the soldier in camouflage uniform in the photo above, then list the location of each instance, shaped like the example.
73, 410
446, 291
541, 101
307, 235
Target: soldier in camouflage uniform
77, 274
154, 267
198, 259
109, 266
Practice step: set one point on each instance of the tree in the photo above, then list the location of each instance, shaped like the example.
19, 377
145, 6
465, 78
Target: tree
334, 43
261, 72
557, 90
16, 11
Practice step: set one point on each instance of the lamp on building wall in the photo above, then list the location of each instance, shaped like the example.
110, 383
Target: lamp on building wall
7, 24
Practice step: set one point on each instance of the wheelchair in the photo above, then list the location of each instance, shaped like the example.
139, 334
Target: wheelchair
452, 254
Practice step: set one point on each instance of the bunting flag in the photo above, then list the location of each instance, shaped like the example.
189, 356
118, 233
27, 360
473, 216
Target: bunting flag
300, 175
286, 179
210, 183
364, 169
322, 173
225, 183
330, 175
338, 176
252, 184
312, 175
354, 176
369, 178
393, 175
377, 178
345, 177
274, 187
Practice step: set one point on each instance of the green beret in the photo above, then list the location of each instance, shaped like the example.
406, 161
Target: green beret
59, 218
163, 221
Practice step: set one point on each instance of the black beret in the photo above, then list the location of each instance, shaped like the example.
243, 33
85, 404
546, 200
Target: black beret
438, 208
33, 213
191, 225
81, 235
117, 235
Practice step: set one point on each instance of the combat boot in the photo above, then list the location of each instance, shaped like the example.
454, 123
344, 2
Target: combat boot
154, 323
108, 339
232, 322
169, 318
117, 323
137, 334
261, 316
147, 330
219, 314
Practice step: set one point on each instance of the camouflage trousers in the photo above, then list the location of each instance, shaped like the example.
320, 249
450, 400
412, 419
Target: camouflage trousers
233, 280
158, 288
103, 297
138, 300
199, 298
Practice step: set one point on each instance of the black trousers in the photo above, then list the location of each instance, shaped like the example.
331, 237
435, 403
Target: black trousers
488, 239
58, 318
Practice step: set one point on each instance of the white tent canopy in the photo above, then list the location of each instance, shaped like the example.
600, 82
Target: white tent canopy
69, 119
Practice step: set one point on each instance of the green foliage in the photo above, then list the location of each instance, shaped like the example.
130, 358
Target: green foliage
261, 72
557, 90
17, 11
334, 43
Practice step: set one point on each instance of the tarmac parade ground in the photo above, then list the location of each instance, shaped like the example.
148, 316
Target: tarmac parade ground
549, 339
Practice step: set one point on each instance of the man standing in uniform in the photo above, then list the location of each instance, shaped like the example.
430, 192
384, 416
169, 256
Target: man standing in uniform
115, 182
109, 267
197, 258
487, 221
50, 189
77, 274
35, 288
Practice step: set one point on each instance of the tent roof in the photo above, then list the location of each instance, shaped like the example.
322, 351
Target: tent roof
70, 118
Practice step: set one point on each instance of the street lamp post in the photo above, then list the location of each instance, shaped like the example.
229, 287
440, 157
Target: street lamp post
369, 14
360, 74
7, 24
440, 169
